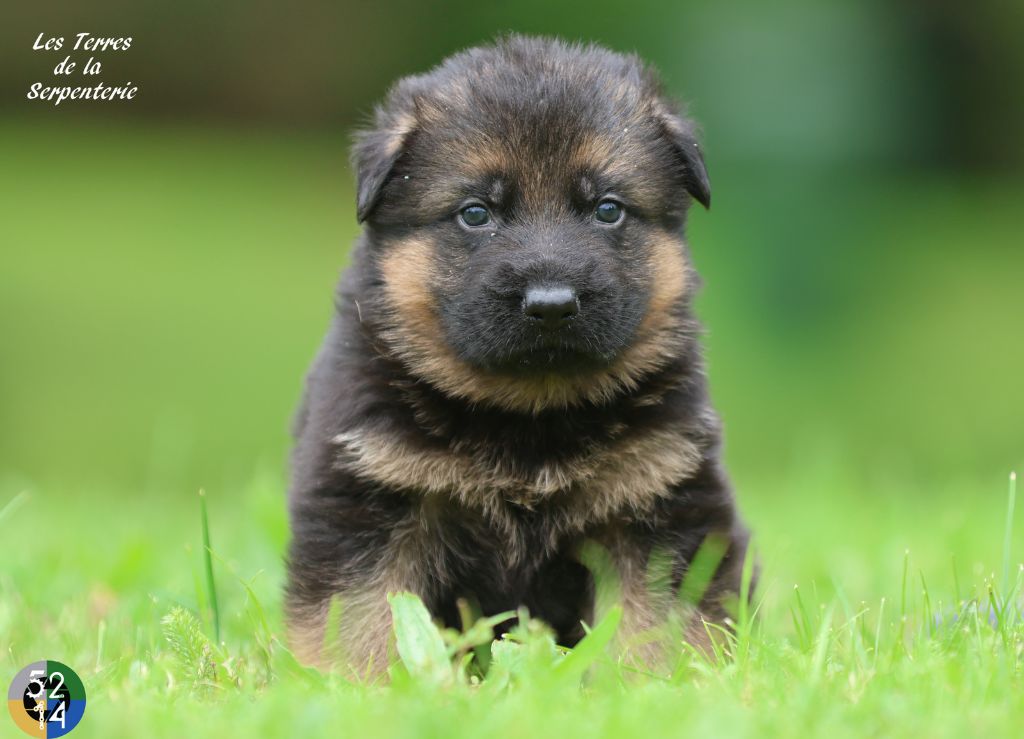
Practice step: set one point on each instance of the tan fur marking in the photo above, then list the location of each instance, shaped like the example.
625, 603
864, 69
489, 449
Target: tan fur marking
646, 636
596, 152
398, 132
415, 335
364, 642
485, 157
364, 632
652, 618
622, 155
624, 475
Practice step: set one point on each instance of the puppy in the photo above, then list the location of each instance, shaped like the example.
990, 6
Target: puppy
513, 365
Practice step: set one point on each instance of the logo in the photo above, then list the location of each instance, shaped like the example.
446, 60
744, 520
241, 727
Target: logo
46, 699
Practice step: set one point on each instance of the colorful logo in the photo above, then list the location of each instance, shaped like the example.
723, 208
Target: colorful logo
46, 699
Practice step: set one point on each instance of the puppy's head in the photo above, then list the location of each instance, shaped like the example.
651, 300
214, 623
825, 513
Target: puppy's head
524, 205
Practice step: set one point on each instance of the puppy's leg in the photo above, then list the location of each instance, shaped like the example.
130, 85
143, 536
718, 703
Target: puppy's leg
649, 566
620, 564
356, 569
363, 638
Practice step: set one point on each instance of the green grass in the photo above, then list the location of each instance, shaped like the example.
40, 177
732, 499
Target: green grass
899, 627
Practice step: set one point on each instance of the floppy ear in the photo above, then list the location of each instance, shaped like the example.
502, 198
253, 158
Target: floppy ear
684, 141
373, 157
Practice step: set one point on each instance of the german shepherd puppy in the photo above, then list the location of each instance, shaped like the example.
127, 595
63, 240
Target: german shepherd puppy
513, 365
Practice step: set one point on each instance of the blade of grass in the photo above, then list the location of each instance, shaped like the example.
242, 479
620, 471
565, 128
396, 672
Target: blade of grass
420, 644
744, 619
211, 586
607, 582
264, 636
101, 633
702, 569
1009, 531
903, 587
332, 647
13, 504
956, 582
802, 619
821, 645
878, 633
591, 647
928, 618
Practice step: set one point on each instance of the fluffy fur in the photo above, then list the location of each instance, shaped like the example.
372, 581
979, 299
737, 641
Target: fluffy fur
449, 446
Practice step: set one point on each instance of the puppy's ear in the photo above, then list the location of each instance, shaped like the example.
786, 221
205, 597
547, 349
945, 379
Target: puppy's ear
374, 155
680, 133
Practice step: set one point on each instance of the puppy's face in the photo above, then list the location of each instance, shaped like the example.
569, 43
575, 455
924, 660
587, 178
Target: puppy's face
526, 202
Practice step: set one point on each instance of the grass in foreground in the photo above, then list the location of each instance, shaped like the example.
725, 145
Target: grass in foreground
876, 648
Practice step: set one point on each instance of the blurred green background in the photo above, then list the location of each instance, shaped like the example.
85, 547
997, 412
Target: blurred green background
168, 264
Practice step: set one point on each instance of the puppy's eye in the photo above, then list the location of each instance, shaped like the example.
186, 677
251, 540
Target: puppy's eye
609, 211
475, 215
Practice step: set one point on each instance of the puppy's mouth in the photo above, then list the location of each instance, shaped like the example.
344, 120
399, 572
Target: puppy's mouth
562, 351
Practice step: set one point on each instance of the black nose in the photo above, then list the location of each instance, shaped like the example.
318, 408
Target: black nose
552, 305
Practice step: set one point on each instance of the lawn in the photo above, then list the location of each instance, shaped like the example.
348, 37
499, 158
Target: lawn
163, 290
879, 621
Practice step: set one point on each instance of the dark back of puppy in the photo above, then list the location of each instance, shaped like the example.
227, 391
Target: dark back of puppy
513, 365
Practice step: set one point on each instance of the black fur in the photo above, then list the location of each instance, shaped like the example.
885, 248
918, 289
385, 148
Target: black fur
517, 127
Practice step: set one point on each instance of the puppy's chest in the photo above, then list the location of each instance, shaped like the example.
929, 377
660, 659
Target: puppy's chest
508, 483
